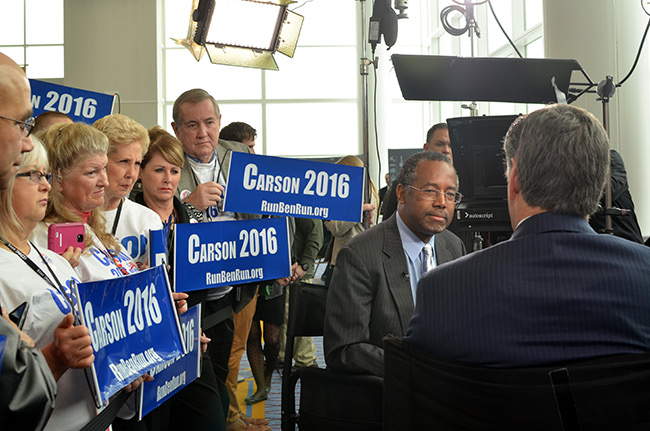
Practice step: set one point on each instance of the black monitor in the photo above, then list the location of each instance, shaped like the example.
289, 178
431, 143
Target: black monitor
477, 146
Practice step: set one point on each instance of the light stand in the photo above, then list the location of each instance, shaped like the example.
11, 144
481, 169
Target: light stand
363, 70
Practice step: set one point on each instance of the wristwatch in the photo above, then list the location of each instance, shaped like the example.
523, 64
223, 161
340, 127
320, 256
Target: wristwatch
304, 266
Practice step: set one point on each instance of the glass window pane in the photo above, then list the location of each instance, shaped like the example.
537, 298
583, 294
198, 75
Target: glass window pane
314, 73
12, 23
331, 22
177, 20
295, 129
44, 21
17, 54
535, 49
534, 12
250, 114
503, 11
412, 136
183, 72
45, 62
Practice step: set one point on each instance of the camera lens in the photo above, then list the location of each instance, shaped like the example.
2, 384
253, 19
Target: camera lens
80, 238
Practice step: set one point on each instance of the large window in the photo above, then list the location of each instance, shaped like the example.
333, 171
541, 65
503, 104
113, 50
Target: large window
423, 33
308, 108
31, 33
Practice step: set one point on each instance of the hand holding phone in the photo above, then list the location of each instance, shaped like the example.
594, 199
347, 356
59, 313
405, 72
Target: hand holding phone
60, 236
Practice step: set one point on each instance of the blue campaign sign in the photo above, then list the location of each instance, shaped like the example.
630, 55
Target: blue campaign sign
158, 246
289, 187
133, 326
80, 105
172, 376
226, 253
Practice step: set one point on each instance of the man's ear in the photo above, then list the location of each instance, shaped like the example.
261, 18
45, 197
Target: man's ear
400, 191
175, 127
514, 188
425, 147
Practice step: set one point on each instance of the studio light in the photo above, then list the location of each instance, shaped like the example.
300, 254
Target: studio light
244, 32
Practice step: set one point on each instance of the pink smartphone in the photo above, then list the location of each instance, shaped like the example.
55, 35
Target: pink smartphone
60, 236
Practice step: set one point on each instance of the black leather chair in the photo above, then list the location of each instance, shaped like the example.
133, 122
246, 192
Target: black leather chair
328, 401
602, 394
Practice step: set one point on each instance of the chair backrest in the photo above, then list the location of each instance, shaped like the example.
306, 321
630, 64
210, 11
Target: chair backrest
328, 400
604, 394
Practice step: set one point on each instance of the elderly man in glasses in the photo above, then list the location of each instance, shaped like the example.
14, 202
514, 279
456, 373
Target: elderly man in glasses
27, 387
372, 292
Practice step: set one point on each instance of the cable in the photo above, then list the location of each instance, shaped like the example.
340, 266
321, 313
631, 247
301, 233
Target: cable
503, 30
638, 54
304, 3
119, 102
374, 108
448, 27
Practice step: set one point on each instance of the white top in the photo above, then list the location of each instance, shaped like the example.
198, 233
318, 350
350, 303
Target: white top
133, 228
206, 172
74, 405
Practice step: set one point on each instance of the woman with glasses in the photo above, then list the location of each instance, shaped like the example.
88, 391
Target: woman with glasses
41, 278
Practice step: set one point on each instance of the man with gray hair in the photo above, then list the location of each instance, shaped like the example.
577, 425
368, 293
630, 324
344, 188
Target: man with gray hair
372, 292
556, 291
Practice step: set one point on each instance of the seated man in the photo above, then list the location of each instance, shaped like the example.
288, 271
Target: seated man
373, 286
556, 291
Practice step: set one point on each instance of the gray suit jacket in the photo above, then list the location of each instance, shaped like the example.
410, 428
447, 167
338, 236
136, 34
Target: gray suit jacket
188, 180
370, 297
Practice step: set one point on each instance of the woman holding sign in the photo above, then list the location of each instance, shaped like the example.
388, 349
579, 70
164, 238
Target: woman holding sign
41, 279
198, 406
78, 160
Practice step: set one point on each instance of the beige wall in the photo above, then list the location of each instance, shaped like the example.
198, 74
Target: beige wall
112, 46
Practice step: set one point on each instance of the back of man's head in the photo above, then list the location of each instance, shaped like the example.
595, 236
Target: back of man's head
47, 118
562, 158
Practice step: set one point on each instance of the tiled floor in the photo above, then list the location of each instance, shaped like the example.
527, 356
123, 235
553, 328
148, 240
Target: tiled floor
271, 408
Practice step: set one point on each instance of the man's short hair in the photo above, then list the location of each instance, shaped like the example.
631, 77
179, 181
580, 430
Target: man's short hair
408, 174
47, 118
238, 131
433, 129
562, 156
195, 95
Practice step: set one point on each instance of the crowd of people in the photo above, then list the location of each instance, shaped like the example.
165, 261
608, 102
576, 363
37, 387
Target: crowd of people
556, 291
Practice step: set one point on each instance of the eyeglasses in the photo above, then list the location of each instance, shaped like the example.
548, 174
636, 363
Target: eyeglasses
433, 194
26, 126
36, 176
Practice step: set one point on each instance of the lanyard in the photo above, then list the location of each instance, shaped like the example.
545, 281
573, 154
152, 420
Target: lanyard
39, 271
216, 180
117, 217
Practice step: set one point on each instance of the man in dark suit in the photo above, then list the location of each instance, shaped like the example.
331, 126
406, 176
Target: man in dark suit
556, 291
373, 286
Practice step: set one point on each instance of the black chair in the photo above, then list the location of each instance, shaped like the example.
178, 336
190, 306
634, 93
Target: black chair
610, 393
328, 401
